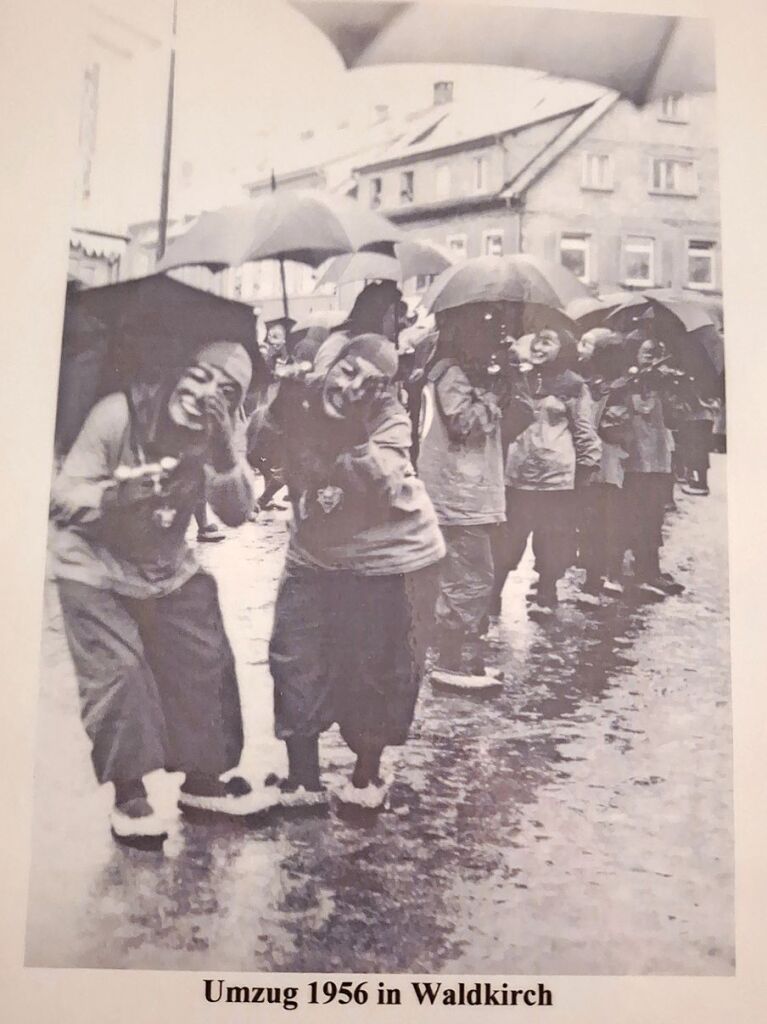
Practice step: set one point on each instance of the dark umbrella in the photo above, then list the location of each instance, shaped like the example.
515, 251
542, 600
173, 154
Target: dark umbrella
518, 279
641, 56
143, 329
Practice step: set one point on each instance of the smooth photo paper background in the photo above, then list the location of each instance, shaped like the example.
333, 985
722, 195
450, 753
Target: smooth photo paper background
40, 104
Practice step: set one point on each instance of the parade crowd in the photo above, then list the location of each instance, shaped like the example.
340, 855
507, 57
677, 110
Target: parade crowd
417, 465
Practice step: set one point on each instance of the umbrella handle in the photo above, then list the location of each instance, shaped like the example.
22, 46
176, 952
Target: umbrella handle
284, 289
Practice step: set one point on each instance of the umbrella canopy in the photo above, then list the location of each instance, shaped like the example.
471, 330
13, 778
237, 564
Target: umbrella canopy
591, 311
139, 330
518, 278
412, 257
330, 318
304, 225
641, 56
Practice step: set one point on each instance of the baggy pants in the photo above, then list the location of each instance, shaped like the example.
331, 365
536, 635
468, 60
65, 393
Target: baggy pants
601, 531
157, 680
466, 579
350, 649
548, 516
645, 496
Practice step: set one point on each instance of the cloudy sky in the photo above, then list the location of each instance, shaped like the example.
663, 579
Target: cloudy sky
251, 76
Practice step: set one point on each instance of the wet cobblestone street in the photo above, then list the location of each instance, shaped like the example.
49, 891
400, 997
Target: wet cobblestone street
579, 823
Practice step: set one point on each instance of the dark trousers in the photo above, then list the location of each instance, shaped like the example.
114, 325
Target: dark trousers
466, 579
156, 677
644, 497
548, 517
350, 649
601, 531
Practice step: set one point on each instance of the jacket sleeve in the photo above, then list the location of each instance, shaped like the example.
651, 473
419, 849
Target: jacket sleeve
381, 465
232, 495
78, 491
588, 447
467, 411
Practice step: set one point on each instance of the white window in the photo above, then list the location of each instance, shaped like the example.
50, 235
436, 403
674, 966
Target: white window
674, 176
639, 260
376, 189
458, 246
479, 173
597, 171
406, 190
700, 263
674, 107
442, 181
575, 254
492, 243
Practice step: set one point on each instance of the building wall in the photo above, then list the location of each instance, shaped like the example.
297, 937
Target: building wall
425, 168
559, 204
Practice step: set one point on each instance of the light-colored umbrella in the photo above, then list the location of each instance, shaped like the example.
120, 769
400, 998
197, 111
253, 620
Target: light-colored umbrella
412, 257
304, 225
330, 318
641, 56
518, 278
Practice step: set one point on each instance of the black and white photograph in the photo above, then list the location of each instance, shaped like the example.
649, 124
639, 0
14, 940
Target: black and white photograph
386, 609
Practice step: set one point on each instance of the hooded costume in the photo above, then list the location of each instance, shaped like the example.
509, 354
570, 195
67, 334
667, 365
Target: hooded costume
357, 595
541, 468
156, 674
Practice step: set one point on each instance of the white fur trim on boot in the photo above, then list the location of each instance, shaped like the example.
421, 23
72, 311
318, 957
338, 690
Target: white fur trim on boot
148, 826
369, 798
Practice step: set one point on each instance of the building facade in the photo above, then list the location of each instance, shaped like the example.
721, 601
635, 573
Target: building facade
625, 197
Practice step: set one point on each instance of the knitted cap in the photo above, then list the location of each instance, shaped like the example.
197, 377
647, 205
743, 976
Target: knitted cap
230, 357
375, 348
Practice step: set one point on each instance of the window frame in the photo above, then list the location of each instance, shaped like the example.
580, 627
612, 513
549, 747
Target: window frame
648, 282
477, 162
590, 185
679, 116
464, 239
586, 238
690, 193
375, 193
711, 247
406, 197
493, 233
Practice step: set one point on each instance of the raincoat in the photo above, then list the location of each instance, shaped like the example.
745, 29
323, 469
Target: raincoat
125, 549
562, 436
156, 675
461, 457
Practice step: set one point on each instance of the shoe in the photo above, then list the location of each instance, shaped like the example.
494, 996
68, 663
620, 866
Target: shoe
612, 586
588, 600
291, 796
652, 588
492, 633
540, 612
136, 824
238, 801
699, 492
461, 682
210, 534
666, 582
373, 797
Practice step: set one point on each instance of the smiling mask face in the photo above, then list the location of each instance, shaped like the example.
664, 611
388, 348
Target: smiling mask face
198, 383
347, 382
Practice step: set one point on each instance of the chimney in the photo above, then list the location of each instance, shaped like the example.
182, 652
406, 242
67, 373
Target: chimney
381, 112
443, 93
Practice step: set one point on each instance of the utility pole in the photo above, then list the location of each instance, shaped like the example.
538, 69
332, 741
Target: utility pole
162, 234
